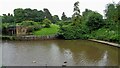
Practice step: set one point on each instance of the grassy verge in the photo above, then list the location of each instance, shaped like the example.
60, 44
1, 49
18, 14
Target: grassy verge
47, 31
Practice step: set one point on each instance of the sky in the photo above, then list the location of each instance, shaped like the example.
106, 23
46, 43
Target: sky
56, 7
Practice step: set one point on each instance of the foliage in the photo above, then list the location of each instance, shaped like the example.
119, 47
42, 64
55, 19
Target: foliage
56, 18
28, 23
28, 14
64, 17
94, 21
7, 18
47, 31
5, 26
76, 20
105, 34
111, 12
72, 32
88, 25
76, 9
19, 15
76, 17
47, 22
48, 15
32, 26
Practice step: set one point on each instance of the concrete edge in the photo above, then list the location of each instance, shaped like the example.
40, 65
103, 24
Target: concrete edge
105, 42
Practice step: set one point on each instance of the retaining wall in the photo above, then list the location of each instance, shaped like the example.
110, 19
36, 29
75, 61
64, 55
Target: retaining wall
36, 37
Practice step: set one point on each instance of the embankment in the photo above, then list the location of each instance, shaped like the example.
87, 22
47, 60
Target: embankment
105, 42
29, 37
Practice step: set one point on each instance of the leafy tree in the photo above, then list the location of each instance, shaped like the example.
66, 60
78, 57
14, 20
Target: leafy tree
47, 22
56, 18
28, 14
94, 21
76, 16
110, 11
118, 11
40, 16
72, 32
118, 20
76, 9
86, 14
112, 14
7, 18
31, 25
64, 17
19, 15
48, 15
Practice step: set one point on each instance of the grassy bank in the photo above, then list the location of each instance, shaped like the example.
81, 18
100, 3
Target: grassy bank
47, 31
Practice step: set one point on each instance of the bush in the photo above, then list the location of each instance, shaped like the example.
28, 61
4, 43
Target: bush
47, 22
72, 32
95, 21
105, 34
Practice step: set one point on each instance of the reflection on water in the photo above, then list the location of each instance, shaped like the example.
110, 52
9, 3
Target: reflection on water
104, 59
68, 56
55, 52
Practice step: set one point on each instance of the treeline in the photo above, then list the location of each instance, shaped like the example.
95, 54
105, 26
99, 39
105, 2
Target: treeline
92, 25
89, 25
29, 15
32, 18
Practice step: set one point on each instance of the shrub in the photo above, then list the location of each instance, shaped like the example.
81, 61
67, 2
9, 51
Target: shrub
47, 22
72, 32
105, 34
95, 21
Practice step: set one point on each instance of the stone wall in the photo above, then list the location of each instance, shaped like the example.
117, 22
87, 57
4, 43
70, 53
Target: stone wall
20, 30
31, 37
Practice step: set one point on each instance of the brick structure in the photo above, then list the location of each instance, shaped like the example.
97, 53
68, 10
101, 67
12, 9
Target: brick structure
17, 30
21, 30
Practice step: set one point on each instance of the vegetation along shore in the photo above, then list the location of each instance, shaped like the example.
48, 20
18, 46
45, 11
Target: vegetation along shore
41, 23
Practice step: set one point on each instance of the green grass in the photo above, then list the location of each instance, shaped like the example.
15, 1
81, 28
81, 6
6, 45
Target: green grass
47, 31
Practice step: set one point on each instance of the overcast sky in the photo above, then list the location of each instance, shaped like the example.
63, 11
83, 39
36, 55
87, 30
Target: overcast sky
56, 7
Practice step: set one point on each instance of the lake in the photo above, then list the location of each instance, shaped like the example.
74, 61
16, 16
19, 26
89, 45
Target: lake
55, 52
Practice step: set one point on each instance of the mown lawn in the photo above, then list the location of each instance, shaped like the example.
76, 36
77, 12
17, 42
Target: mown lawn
47, 31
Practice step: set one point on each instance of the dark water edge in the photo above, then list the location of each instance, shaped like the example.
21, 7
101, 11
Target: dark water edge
29, 37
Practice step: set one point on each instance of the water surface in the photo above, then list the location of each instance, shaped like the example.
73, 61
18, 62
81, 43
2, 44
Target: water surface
55, 52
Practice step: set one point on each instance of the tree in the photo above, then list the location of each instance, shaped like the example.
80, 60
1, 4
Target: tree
56, 18
64, 17
48, 15
19, 15
76, 9
112, 14
110, 11
47, 22
118, 11
76, 16
7, 18
85, 15
40, 16
94, 21
28, 14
